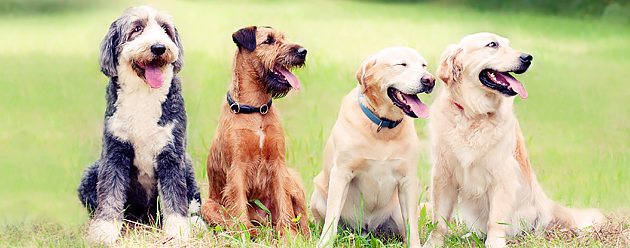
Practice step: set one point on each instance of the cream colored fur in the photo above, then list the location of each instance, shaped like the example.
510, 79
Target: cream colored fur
480, 163
363, 167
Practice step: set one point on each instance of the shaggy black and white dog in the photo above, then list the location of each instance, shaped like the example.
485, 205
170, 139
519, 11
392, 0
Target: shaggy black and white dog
144, 135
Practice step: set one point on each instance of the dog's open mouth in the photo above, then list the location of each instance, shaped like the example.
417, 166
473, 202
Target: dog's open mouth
502, 82
283, 75
409, 103
151, 73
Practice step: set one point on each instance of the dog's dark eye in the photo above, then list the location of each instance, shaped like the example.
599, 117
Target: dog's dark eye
269, 40
403, 64
137, 29
165, 28
492, 44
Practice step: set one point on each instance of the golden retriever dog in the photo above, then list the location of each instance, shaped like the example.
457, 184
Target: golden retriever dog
480, 162
369, 181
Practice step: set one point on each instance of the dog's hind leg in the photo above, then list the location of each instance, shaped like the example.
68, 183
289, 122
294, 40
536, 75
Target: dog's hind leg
298, 200
87, 188
211, 209
213, 213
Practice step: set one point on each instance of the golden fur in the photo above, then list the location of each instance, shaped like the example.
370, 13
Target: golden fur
480, 162
364, 167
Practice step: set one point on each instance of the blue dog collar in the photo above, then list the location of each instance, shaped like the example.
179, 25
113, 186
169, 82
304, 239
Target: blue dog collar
381, 122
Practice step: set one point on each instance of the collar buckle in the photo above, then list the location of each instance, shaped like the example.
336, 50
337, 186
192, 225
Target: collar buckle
264, 109
235, 108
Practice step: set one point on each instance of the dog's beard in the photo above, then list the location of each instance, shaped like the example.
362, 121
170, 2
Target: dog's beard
275, 88
279, 81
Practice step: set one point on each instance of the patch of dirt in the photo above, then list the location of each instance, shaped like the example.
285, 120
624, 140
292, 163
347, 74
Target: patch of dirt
614, 233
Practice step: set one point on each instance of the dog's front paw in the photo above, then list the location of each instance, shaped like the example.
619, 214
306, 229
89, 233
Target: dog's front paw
102, 231
181, 226
435, 240
325, 241
496, 243
178, 226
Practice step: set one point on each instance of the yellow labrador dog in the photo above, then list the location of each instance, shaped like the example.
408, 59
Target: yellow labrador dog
368, 182
480, 162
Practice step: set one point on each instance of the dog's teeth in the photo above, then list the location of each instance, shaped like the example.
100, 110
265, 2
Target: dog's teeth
491, 75
400, 97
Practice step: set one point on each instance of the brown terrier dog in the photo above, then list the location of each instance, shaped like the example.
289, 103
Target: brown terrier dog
246, 163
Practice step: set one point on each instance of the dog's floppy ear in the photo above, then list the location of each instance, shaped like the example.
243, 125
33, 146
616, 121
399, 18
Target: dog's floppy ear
245, 37
364, 71
450, 67
179, 63
108, 56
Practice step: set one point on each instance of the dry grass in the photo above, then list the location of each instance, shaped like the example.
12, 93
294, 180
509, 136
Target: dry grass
215, 236
614, 233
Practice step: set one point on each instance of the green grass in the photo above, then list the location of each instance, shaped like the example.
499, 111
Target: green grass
52, 94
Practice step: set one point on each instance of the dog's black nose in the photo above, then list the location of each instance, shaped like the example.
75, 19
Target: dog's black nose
428, 81
302, 52
526, 58
158, 49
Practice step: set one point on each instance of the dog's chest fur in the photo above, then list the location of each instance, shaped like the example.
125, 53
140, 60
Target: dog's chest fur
138, 110
475, 138
377, 180
377, 173
481, 148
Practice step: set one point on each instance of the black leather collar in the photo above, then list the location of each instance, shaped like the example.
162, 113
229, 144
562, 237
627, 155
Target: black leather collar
236, 108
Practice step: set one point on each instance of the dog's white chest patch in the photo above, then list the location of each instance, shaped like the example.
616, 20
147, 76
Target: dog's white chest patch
261, 134
138, 110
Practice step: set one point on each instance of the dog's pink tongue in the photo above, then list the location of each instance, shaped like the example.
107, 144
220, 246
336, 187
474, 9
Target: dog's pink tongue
293, 80
420, 109
154, 76
516, 85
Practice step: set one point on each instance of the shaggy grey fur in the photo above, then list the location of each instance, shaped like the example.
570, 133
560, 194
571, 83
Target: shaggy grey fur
110, 187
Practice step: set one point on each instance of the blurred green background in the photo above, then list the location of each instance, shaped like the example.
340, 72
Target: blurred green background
52, 93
